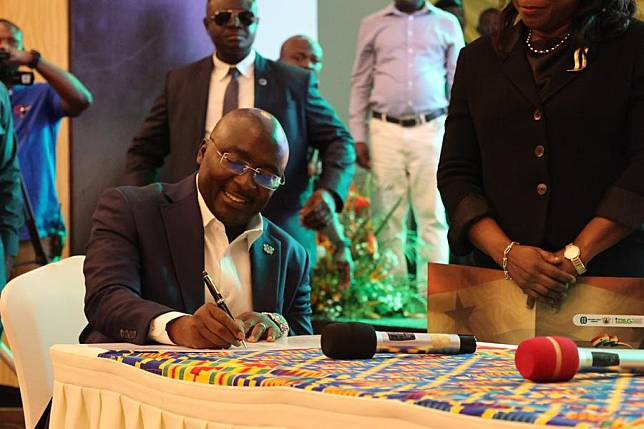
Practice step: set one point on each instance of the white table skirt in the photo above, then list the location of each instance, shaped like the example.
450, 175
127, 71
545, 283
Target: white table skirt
97, 393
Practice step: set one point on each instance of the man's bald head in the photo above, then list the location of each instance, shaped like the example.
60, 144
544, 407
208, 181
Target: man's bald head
244, 137
302, 51
10, 34
252, 125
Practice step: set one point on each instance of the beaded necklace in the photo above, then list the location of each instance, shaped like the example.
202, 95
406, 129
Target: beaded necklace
544, 51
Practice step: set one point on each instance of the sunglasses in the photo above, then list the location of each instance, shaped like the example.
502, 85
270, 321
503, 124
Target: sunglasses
223, 17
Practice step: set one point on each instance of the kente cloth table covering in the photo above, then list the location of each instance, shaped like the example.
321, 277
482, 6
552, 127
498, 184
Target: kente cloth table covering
479, 390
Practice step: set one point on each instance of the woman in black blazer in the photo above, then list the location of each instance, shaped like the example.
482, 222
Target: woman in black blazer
542, 167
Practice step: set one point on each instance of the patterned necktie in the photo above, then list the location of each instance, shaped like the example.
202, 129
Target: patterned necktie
231, 96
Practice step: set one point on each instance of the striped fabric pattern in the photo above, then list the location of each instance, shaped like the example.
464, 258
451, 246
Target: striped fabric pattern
484, 384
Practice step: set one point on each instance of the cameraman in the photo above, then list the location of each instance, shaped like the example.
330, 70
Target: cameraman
37, 111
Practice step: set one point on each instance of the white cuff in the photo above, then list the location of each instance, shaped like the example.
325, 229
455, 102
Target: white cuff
157, 330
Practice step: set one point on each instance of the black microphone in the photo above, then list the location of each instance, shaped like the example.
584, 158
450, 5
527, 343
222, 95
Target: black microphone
355, 340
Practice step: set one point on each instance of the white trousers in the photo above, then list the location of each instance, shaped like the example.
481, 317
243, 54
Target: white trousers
404, 162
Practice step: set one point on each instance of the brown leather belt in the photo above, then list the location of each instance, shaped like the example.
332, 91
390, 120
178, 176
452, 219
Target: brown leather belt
411, 120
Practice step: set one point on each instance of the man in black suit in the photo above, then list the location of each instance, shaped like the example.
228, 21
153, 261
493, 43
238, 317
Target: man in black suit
195, 96
149, 246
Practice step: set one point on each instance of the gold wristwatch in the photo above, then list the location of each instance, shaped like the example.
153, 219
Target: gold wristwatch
572, 252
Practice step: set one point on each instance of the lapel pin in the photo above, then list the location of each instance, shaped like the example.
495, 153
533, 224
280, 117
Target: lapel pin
262, 82
580, 56
268, 249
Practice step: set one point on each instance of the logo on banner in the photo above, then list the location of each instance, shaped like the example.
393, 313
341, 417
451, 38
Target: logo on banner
614, 320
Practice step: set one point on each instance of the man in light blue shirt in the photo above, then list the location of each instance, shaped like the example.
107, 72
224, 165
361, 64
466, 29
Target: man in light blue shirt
403, 72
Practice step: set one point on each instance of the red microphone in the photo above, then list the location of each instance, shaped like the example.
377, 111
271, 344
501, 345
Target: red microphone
551, 359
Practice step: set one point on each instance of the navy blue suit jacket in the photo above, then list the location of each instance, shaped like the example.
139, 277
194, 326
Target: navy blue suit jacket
167, 144
146, 254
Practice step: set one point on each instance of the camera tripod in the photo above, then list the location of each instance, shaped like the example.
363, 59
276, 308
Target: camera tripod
30, 221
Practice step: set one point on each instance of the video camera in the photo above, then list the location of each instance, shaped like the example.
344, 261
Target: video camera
10, 76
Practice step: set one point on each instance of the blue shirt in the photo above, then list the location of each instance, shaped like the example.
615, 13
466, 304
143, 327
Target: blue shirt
37, 112
404, 64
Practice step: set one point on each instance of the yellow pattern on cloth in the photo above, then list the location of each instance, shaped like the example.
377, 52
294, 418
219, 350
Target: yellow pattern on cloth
484, 384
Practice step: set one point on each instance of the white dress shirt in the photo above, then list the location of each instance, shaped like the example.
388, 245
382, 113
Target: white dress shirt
228, 265
219, 81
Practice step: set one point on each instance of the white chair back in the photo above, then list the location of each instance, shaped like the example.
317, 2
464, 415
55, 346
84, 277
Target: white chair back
39, 309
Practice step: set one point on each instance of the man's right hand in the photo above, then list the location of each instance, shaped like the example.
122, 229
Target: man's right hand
362, 155
209, 328
344, 264
17, 56
538, 273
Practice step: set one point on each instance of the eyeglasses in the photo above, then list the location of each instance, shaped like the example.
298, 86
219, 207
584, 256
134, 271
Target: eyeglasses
263, 179
223, 17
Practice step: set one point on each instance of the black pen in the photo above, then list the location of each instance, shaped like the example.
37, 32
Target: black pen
218, 297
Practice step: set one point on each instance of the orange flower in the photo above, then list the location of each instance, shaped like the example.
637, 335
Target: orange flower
361, 203
372, 244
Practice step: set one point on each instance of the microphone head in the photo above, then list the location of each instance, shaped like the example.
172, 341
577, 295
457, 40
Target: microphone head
351, 340
547, 359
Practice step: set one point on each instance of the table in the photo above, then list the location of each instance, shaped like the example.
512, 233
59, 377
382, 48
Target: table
291, 384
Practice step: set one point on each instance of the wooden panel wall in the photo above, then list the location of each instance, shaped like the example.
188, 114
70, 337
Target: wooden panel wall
45, 26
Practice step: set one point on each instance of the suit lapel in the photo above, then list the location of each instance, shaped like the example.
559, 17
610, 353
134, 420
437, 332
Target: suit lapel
560, 80
262, 83
198, 91
265, 262
516, 68
184, 230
